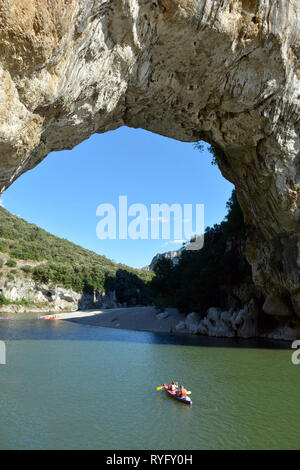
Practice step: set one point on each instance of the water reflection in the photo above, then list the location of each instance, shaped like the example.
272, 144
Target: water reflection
67, 330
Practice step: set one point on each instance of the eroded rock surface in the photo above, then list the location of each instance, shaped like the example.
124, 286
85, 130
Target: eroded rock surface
226, 71
25, 295
244, 323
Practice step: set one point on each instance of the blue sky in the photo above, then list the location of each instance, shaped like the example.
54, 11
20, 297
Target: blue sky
62, 193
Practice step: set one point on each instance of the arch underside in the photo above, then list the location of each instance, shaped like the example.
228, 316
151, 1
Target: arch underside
226, 72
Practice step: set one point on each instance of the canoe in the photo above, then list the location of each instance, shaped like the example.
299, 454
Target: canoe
171, 393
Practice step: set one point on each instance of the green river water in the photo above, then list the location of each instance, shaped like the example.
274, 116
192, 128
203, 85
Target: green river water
69, 386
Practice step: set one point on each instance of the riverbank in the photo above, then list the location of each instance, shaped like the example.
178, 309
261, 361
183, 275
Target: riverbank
134, 318
216, 323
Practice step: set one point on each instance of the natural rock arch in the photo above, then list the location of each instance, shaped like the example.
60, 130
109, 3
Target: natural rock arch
224, 71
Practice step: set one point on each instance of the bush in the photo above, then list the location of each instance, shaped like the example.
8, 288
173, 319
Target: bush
26, 269
3, 245
11, 263
3, 300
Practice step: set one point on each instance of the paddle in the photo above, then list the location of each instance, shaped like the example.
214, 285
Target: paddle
160, 388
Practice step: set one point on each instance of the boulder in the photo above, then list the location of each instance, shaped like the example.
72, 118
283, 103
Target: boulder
192, 321
162, 315
180, 326
276, 305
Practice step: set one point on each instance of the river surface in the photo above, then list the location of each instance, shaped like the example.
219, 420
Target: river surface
71, 386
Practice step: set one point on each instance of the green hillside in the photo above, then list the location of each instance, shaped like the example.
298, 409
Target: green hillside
29, 251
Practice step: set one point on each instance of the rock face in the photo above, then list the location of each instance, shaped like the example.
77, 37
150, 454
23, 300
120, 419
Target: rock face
45, 298
172, 255
227, 72
243, 323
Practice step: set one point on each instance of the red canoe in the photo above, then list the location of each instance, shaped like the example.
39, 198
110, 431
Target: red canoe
172, 394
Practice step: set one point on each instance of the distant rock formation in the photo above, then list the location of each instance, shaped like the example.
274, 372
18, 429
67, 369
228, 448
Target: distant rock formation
172, 255
227, 72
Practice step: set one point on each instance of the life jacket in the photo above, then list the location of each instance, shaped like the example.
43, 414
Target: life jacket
183, 393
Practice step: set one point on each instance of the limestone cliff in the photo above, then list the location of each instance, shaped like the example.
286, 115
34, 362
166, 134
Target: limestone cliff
172, 255
25, 295
224, 71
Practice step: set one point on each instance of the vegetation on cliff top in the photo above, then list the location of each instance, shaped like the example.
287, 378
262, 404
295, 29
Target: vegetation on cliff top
56, 261
203, 278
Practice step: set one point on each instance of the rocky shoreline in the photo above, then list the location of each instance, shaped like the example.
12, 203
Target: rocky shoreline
217, 323
242, 323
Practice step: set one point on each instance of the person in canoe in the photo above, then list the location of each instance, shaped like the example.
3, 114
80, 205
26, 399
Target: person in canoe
181, 392
173, 386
